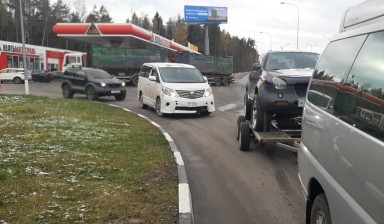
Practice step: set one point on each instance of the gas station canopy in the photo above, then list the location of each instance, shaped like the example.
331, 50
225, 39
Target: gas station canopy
125, 35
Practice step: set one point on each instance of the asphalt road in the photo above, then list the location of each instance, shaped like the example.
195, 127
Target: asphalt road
227, 185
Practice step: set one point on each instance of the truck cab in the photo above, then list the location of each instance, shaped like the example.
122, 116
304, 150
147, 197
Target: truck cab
73, 60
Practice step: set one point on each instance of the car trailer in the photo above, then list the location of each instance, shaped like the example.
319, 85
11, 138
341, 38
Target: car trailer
286, 136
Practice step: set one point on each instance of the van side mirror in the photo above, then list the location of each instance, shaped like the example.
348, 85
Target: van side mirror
205, 78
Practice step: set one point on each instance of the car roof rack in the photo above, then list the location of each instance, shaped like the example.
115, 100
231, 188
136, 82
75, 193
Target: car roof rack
368, 12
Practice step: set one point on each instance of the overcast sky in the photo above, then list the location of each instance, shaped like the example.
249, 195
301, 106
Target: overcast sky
319, 19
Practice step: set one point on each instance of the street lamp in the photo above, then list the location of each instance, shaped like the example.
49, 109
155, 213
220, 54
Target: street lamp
270, 40
282, 46
298, 19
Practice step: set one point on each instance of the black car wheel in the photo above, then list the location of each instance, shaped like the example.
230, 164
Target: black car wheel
91, 93
240, 119
320, 211
247, 108
158, 107
67, 93
258, 116
141, 101
121, 97
17, 80
135, 80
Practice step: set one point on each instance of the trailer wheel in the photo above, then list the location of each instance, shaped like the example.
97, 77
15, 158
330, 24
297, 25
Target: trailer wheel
240, 119
217, 81
135, 80
244, 136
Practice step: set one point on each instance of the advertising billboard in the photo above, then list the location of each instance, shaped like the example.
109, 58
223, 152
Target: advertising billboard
205, 14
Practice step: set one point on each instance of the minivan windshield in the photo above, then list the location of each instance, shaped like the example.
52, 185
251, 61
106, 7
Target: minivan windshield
291, 60
180, 75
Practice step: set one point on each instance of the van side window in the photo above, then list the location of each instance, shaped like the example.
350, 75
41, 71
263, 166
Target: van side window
353, 91
367, 79
331, 71
337, 59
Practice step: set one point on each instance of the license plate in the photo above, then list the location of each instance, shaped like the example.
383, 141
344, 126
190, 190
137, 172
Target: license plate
192, 104
115, 91
300, 103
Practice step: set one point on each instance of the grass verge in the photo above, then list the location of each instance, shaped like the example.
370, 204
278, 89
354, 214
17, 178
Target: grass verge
77, 161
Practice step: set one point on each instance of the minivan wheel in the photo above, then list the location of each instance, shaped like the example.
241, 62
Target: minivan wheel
141, 101
258, 116
158, 107
67, 93
320, 211
91, 93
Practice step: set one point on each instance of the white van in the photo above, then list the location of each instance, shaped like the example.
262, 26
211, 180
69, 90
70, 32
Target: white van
174, 88
341, 154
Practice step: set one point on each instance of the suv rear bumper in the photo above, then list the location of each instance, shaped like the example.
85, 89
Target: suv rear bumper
281, 101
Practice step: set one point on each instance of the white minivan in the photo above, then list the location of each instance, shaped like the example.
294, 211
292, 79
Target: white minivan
174, 88
341, 156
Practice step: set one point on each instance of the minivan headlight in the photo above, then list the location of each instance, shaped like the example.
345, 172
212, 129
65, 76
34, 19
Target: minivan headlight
169, 92
208, 92
103, 84
279, 83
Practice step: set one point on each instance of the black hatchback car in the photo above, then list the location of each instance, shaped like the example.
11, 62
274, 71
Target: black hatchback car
41, 76
92, 82
277, 86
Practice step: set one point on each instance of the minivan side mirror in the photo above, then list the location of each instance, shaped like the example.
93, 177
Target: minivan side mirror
152, 78
205, 78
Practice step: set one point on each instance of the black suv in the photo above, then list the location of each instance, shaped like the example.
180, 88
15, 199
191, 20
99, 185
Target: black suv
92, 82
277, 86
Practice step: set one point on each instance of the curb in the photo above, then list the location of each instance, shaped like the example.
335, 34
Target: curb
185, 200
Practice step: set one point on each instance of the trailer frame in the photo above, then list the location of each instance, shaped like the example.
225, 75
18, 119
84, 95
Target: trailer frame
288, 139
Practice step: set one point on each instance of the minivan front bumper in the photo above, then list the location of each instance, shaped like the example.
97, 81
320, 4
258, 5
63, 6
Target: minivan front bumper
179, 105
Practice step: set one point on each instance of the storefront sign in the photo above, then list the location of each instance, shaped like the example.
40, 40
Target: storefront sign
18, 49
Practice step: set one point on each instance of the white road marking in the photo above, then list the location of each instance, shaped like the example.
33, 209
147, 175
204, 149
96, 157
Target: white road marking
142, 116
227, 107
184, 199
168, 137
179, 159
155, 124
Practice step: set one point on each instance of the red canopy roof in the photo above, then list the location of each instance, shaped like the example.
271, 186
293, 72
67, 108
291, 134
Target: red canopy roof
117, 35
